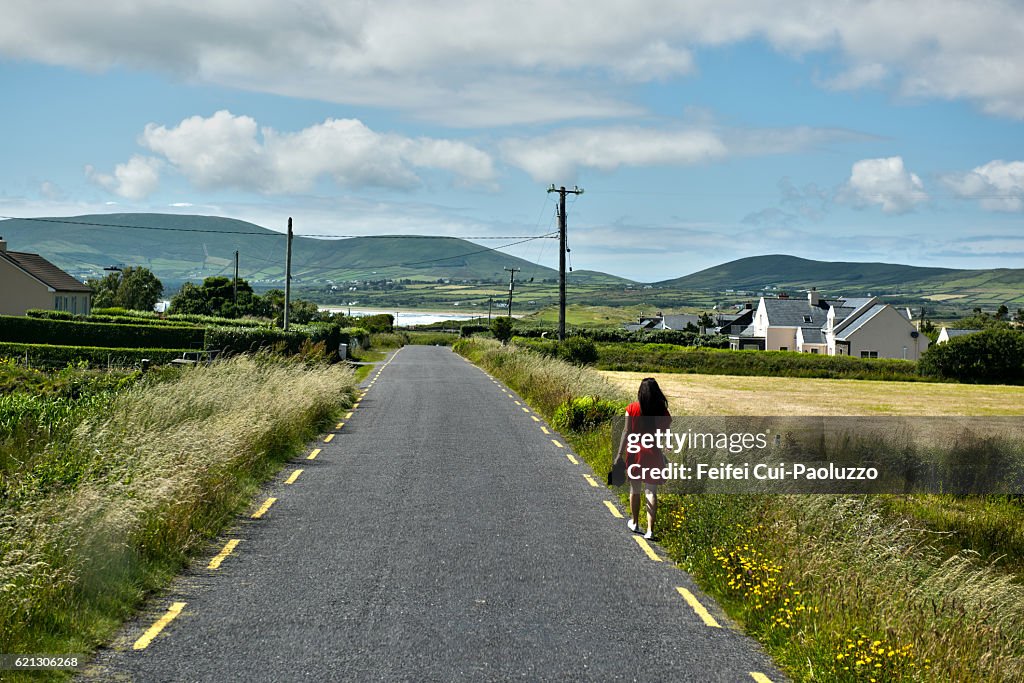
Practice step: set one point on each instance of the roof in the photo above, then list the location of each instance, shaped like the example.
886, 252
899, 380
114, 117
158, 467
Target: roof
812, 335
861, 320
747, 331
950, 333
44, 271
679, 322
794, 313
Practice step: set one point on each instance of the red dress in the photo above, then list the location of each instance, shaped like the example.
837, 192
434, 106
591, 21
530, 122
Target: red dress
651, 458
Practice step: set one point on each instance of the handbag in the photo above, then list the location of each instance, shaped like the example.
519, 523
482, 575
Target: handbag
617, 475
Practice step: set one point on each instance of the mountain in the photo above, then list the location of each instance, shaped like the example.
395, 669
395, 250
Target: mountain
791, 272
178, 248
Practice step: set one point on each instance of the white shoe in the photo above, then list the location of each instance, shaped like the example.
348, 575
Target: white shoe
649, 535
632, 525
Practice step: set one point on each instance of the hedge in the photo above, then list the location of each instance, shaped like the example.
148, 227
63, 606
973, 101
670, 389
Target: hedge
25, 330
106, 318
668, 358
993, 356
49, 355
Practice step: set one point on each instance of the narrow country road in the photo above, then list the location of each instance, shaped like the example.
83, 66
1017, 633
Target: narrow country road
439, 535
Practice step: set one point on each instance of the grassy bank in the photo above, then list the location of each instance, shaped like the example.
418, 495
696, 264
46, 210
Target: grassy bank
837, 588
114, 505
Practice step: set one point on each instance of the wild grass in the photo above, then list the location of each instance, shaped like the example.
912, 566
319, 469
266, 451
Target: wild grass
142, 485
837, 588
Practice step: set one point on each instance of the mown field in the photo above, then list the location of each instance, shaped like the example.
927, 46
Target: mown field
744, 395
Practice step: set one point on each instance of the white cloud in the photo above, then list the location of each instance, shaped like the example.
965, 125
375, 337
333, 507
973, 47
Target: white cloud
229, 151
559, 156
998, 185
135, 179
885, 183
491, 63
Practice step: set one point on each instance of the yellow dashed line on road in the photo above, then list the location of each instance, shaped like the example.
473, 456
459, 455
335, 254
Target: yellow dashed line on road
545, 430
160, 624
557, 443
642, 542
263, 508
329, 438
535, 418
312, 456
590, 480
573, 460
701, 611
355, 405
517, 403
219, 557
339, 425
348, 415
760, 677
526, 410
612, 509
293, 477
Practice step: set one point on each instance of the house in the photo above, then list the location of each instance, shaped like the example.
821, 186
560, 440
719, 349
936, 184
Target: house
30, 281
847, 326
660, 321
946, 334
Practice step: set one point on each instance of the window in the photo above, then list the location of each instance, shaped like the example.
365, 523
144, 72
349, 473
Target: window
783, 348
869, 354
814, 350
807, 318
56, 303
74, 305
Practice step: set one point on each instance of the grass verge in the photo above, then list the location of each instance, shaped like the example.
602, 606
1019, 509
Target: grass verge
138, 488
837, 588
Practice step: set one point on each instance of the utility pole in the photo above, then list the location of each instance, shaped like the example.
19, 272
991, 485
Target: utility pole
511, 286
489, 300
561, 253
235, 284
288, 274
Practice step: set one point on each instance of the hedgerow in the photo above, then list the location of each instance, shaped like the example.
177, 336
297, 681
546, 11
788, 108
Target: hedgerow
26, 330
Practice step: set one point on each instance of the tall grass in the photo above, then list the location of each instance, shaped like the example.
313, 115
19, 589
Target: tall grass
150, 479
837, 588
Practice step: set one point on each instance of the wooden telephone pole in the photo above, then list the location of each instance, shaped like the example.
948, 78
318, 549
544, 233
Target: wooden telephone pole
288, 274
511, 286
561, 253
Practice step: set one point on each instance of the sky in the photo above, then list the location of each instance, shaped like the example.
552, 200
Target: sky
701, 131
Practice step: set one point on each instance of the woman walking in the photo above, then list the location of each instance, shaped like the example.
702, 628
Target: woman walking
645, 415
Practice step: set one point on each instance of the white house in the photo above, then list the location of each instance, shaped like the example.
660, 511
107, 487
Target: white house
861, 327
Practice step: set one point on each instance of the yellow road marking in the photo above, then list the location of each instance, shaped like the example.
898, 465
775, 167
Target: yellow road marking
590, 480
355, 405
328, 438
263, 508
312, 456
517, 403
160, 624
612, 509
339, 425
526, 410
557, 443
642, 542
535, 418
219, 557
545, 430
348, 415
574, 461
704, 615
293, 477
760, 677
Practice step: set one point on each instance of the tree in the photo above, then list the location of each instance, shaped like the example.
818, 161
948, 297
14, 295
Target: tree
136, 288
501, 328
215, 297
706, 322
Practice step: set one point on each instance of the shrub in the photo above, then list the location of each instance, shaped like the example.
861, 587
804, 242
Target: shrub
578, 351
501, 328
584, 413
25, 330
382, 322
237, 339
994, 356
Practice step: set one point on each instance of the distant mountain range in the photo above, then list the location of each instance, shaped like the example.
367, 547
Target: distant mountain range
179, 248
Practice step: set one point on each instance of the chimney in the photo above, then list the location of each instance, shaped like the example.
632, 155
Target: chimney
3, 244
812, 296
783, 295
748, 306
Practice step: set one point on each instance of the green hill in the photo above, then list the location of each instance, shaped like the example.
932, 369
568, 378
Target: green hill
179, 248
791, 272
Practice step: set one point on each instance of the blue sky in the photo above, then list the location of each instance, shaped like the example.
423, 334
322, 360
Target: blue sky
701, 131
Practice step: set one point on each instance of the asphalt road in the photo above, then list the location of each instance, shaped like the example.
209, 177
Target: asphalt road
439, 535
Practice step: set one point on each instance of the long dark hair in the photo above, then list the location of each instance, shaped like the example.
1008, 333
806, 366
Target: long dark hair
652, 401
